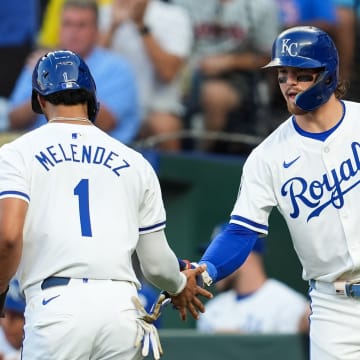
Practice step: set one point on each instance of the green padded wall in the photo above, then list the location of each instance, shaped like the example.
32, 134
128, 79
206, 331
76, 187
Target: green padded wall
187, 344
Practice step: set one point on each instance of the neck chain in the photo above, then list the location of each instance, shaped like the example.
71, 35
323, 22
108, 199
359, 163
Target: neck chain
75, 118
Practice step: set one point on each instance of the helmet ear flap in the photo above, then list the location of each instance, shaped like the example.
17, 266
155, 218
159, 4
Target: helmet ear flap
317, 94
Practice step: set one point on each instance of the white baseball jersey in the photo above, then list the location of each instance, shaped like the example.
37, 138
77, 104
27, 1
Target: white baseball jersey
170, 25
106, 194
274, 308
316, 187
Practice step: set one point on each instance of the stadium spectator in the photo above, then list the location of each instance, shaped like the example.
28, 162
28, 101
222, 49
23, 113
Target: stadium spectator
233, 40
347, 39
50, 24
317, 13
18, 29
248, 301
116, 85
12, 325
156, 37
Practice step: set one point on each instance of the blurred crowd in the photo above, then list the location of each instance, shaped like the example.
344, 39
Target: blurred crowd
172, 75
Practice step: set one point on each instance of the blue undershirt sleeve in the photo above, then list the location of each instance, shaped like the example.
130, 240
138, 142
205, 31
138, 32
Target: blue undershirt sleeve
228, 251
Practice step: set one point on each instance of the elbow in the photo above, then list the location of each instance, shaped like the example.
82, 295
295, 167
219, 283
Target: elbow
167, 75
155, 272
9, 243
170, 70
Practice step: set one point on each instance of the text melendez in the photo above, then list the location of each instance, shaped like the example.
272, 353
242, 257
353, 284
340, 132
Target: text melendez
328, 190
98, 155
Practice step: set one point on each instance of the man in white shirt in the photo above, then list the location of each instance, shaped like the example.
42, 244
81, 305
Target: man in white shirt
156, 37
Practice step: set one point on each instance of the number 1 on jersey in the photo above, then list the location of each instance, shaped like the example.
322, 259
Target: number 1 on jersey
82, 191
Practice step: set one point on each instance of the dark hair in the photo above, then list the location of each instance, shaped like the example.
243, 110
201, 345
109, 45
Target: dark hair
69, 97
83, 4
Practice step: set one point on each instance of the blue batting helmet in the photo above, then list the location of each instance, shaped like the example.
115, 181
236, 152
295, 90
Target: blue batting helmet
63, 70
308, 47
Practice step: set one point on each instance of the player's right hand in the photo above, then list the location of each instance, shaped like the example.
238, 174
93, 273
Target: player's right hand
203, 279
188, 299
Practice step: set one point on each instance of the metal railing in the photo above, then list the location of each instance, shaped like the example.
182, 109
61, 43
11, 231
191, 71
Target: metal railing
154, 140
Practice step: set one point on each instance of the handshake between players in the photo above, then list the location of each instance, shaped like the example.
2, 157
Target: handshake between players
188, 299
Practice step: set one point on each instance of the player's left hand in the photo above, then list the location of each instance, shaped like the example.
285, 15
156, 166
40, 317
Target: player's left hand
188, 299
155, 312
148, 335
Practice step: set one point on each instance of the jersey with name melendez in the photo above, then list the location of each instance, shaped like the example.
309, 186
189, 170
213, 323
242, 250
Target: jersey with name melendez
89, 197
315, 185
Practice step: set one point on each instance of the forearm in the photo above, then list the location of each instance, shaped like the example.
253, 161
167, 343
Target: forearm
166, 65
10, 253
345, 40
228, 251
106, 37
12, 217
159, 263
9, 260
247, 61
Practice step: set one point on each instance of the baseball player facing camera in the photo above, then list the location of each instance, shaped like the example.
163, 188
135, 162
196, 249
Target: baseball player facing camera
309, 168
74, 205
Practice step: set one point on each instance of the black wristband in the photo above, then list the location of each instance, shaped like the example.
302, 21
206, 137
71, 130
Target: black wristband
2, 302
144, 30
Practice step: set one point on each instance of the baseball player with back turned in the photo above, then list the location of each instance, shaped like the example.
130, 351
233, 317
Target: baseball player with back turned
74, 205
309, 168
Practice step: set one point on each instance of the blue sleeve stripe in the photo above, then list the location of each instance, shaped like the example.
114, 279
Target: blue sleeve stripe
17, 193
247, 221
152, 227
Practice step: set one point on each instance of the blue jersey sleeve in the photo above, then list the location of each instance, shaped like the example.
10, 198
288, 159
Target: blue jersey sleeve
228, 251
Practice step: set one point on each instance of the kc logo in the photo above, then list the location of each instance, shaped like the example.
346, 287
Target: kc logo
290, 49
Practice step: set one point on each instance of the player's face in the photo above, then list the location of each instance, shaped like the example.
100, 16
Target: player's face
293, 81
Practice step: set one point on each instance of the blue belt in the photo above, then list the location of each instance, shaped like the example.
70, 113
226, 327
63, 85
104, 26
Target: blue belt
353, 290
345, 288
54, 281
